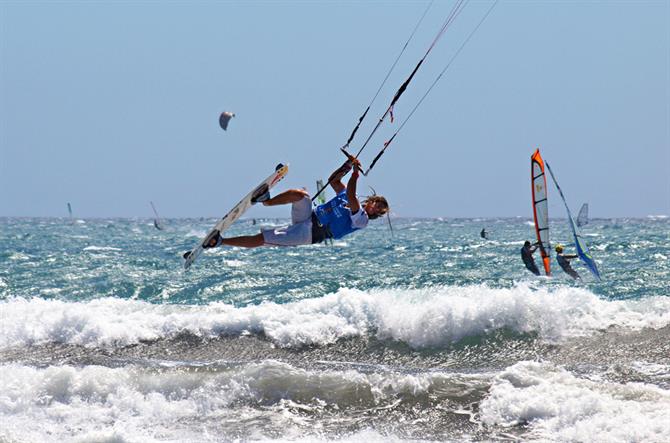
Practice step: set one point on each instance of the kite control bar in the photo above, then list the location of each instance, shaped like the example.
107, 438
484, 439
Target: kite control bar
374, 160
351, 157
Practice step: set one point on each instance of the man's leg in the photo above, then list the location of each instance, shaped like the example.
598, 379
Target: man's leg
245, 241
254, 241
286, 197
572, 273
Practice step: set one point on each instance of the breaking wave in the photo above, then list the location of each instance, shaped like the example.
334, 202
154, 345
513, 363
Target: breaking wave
421, 318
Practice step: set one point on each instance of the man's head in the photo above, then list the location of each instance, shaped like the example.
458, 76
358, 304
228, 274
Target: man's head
526, 244
375, 206
559, 248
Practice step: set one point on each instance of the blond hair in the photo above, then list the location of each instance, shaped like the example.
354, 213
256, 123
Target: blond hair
381, 204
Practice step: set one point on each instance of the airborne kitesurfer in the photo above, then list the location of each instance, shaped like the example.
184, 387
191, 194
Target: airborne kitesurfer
564, 261
334, 219
527, 256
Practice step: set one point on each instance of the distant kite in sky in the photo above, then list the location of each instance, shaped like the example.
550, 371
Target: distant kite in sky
225, 118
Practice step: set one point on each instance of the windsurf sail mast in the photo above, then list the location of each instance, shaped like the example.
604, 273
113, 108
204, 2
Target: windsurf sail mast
583, 216
157, 220
580, 245
540, 208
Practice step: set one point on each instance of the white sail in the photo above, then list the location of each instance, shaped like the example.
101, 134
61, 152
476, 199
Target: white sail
583, 216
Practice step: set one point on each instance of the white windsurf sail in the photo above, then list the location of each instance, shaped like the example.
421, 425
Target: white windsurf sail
583, 216
540, 208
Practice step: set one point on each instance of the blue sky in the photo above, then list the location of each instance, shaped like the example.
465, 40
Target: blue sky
109, 105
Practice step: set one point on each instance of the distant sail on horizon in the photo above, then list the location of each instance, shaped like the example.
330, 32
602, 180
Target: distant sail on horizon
540, 208
580, 245
157, 220
583, 216
69, 210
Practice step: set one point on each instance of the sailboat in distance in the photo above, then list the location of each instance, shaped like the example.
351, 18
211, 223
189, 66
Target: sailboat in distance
583, 216
69, 210
157, 221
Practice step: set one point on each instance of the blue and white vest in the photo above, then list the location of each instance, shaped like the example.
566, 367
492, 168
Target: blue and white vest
335, 216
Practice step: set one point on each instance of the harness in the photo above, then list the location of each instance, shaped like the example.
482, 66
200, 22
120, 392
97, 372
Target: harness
319, 232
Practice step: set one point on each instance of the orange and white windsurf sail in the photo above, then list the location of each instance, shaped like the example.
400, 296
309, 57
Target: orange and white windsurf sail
540, 208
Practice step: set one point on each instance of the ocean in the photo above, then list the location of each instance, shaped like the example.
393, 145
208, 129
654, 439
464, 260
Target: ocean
426, 333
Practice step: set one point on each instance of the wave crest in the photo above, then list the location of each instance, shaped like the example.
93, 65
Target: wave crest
426, 318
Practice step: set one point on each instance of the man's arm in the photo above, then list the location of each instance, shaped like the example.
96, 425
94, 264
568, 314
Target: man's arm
354, 204
335, 178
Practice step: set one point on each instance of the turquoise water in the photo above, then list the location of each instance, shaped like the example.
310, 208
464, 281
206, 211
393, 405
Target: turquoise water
429, 333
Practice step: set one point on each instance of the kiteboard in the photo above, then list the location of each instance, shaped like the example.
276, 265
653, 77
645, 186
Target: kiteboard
258, 194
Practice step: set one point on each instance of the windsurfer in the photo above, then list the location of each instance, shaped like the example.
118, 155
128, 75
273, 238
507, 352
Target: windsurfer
564, 261
527, 256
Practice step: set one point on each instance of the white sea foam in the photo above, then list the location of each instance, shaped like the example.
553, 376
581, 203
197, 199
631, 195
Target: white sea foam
196, 233
421, 318
561, 407
101, 248
97, 403
19, 256
101, 404
234, 263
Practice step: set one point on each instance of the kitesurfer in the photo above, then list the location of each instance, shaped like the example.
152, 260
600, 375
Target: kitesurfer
334, 219
527, 256
564, 262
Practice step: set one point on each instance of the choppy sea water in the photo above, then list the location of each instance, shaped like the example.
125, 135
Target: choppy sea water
430, 334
